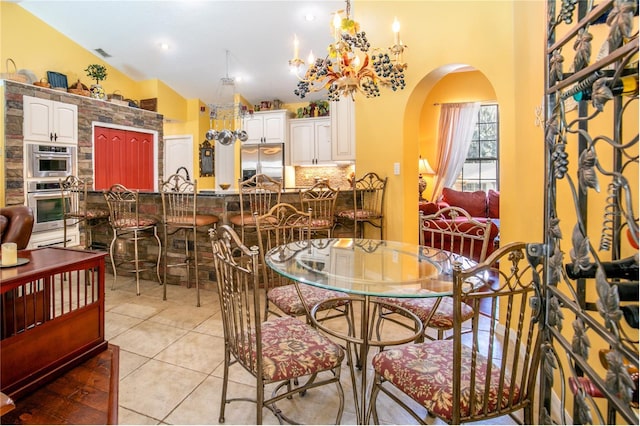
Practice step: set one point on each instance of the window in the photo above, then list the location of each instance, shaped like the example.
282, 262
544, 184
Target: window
480, 170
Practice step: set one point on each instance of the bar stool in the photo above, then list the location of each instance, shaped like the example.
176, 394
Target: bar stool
321, 200
259, 193
127, 224
75, 211
368, 204
179, 213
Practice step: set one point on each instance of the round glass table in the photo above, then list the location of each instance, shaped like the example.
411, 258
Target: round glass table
369, 271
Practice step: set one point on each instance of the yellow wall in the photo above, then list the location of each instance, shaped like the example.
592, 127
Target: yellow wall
482, 37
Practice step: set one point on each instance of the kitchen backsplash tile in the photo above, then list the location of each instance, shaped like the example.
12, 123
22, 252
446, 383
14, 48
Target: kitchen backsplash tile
337, 176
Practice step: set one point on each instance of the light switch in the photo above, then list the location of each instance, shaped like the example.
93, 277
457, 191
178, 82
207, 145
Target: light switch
396, 169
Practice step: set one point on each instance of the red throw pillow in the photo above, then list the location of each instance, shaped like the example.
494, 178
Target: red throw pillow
428, 208
474, 203
493, 198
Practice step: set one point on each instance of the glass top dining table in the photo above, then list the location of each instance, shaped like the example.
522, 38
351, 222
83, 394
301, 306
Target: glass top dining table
368, 267
369, 271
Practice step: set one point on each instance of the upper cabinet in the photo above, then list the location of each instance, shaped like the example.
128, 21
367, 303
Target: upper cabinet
343, 130
266, 127
310, 141
50, 121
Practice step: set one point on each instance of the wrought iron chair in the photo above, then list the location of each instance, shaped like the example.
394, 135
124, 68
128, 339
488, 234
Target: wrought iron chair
261, 346
453, 230
127, 224
487, 373
320, 200
75, 211
180, 213
368, 204
284, 224
257, 195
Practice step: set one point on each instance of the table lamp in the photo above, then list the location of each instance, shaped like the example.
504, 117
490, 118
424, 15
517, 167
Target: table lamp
423, 168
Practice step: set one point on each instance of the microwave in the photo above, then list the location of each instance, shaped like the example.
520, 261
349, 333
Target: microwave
50, 160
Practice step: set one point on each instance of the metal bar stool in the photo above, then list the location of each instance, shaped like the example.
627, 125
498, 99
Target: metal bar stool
368, 205
75, 211
179, 213
257, 195
127, 224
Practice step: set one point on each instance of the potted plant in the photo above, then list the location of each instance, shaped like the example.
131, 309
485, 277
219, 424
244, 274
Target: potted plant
98, 73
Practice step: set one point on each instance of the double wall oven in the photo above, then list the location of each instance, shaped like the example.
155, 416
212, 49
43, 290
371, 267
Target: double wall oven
45, 165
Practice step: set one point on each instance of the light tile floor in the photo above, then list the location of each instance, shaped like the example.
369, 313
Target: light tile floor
171, 357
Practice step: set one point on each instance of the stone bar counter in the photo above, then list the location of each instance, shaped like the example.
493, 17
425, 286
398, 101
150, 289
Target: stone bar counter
223, 204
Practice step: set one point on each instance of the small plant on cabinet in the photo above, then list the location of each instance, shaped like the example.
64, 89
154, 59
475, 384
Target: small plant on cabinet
96, 72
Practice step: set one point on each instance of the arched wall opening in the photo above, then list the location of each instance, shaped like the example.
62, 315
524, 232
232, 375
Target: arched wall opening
445, 84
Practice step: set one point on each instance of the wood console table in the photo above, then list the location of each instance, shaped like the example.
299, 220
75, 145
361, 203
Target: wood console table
51, 316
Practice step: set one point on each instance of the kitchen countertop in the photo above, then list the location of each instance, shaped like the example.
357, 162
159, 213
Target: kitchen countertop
223, 193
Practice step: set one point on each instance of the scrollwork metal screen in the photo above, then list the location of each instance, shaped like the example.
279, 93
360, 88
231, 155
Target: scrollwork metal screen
590, 356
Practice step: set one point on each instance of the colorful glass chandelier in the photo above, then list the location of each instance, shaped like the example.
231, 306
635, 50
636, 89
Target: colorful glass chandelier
348, 67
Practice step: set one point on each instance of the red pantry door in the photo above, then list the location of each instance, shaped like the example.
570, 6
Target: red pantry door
124, 157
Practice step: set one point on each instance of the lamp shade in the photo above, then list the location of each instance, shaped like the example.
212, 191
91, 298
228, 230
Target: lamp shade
424, 168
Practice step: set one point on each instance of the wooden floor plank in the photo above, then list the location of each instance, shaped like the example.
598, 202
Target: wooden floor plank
87, 394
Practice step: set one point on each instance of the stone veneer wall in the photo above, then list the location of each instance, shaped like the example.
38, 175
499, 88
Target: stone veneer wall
89, 111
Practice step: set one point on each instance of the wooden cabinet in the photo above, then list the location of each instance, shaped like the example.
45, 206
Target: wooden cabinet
310, 141
50, 121
343, 130
266, 127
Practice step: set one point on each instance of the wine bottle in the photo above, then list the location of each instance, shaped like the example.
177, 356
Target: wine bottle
625, 85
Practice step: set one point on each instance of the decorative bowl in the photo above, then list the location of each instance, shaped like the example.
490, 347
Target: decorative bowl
225, 186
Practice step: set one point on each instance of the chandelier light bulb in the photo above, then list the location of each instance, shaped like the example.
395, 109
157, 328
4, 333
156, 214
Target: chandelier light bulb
336, 26
296, 46
311, 59
396, 30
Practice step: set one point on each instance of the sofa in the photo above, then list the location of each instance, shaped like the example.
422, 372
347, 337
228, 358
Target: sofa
16, 224
480, 205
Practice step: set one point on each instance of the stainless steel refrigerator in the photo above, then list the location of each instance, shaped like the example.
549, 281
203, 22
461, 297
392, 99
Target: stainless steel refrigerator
265, 159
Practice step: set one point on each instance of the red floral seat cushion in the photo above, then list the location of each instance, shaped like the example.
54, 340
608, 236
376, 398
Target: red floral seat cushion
360, 214
286, 298
291, 348
131, 222
91, 214
425, 373
442, 319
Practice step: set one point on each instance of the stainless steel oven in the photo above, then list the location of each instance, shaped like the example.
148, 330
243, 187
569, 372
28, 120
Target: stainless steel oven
45, 198
50, 160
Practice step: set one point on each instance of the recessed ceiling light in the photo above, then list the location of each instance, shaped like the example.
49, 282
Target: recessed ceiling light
164, 46
309, 17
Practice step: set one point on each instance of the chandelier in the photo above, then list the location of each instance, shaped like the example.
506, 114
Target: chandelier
226, 112
348, 68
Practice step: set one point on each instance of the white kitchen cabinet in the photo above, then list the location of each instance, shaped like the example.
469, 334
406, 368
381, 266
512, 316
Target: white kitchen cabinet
266, 127
50, 121
343, 130
310, 141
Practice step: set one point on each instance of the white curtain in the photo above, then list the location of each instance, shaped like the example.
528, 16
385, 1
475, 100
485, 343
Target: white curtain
455, 130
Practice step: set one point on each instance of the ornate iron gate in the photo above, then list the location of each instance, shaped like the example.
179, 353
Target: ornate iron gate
589, 370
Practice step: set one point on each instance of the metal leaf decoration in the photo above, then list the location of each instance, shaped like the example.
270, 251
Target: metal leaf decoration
582, 46
583, 410
555, 315
580, 344
620, 21
549, 365
555, 267
554, 228
551, 131
580, 251
555, 67
608, 303
600, 93
618, 380
560, 161
586, 171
